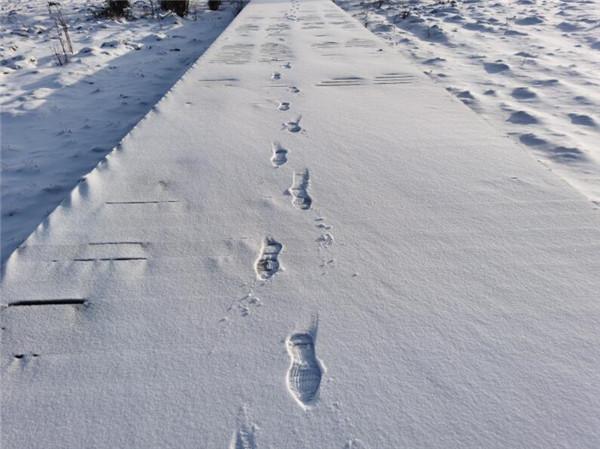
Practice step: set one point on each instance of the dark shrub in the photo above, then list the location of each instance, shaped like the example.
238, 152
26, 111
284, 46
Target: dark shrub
179, 7
213, 5
116, 8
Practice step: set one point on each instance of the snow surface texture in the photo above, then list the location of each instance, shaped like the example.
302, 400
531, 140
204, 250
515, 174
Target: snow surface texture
59, 122
529, 67
407, 277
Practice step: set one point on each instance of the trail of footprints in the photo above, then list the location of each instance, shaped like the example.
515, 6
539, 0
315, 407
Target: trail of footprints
305, 371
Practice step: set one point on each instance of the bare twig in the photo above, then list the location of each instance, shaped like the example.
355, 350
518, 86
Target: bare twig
64, 50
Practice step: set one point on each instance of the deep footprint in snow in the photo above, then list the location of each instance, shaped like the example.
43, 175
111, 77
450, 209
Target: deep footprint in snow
529, 20
284, 106
523, 93
299, 190
582, 119
293, 126
279, 155
244, 435
531, 140
267, 263
522, 118
495, 67
566, 154
305, 372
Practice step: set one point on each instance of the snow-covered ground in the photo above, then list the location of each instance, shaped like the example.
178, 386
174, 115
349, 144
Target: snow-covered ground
530, 67
307, 244
59, 122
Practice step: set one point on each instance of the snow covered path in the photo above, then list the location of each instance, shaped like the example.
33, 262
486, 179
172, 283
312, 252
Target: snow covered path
307, 244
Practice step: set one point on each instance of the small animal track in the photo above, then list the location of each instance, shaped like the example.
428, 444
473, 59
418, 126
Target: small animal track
299, 190
267, 263
245, 304
305, 372
325, 240
276, 76
244, 435
284, 106
279, 155
294, 89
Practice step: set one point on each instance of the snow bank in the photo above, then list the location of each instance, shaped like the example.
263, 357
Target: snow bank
531, 68
59, 122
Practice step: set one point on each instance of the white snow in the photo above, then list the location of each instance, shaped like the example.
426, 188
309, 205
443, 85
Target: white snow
402, 276
529, 67
59, 122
